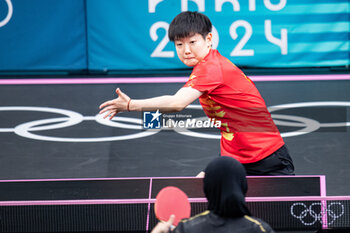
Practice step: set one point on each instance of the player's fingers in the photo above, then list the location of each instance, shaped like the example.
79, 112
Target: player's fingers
105, 104
105, 110
108, 103
119, 92
108, 114
171, 219
113, 115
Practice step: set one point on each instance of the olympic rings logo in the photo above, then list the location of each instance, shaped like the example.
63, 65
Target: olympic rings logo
9, 13
71, 118
334, 210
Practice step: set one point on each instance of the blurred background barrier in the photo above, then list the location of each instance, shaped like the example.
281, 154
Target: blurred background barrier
43, 35
131, 35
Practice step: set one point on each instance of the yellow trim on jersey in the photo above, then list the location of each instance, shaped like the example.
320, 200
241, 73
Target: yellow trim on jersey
256, 222
227, 136
196, 216
226, 126
192, 76
212, 108
220, 114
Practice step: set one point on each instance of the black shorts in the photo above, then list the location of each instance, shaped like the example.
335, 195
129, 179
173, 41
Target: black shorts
278, 163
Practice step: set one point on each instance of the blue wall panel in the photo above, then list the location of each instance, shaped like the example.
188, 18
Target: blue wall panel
107, 35
128, 34
43, 35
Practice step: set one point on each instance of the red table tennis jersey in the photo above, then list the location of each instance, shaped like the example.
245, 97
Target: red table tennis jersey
248, 132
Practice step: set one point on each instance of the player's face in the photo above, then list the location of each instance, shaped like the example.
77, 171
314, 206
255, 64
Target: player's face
192, 49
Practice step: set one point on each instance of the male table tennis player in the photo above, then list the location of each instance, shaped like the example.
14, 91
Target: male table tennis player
248, 132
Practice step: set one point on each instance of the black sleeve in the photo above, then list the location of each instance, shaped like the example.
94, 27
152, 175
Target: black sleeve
179, 228
267, 227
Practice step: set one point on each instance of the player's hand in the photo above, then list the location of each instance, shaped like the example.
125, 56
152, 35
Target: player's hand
164, 227
200, 175
113, 107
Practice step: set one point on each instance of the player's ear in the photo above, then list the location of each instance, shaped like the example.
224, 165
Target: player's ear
209, 39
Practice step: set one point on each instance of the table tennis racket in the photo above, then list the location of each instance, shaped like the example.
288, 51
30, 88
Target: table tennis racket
172, 201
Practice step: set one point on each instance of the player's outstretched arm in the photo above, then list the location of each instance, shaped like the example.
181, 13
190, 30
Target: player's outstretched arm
166, 103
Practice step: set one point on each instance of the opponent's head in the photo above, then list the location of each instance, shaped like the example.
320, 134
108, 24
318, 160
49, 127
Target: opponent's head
225, 186
191, 33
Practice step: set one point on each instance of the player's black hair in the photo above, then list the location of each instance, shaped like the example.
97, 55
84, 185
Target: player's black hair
187, 24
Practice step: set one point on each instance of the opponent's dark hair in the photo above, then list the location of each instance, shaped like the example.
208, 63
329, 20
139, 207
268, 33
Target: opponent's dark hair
187, 24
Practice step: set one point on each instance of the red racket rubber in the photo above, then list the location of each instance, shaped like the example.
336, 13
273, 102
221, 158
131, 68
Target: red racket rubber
172, 200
